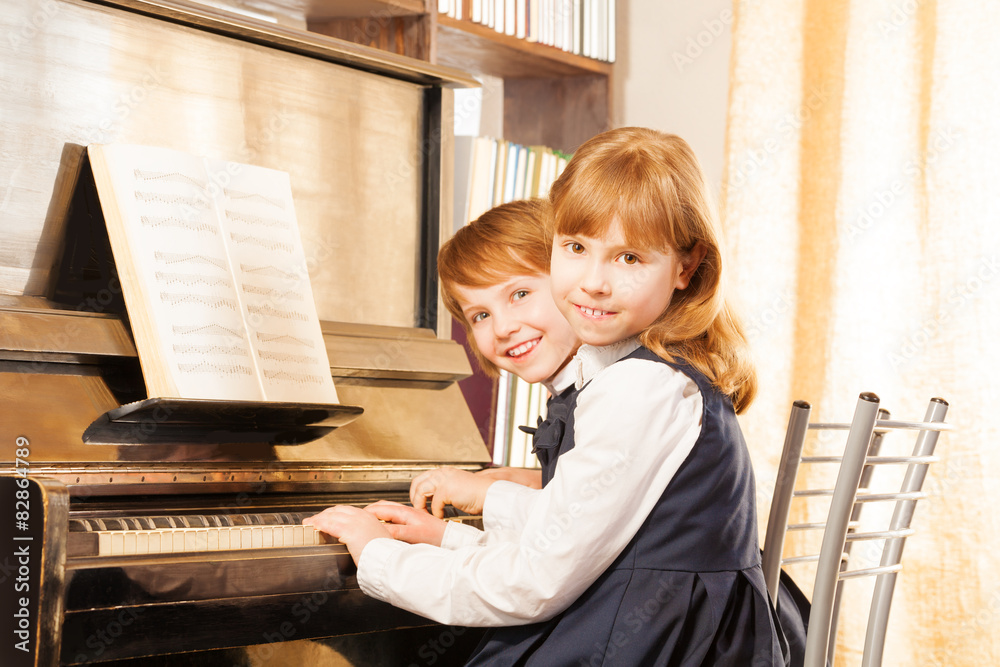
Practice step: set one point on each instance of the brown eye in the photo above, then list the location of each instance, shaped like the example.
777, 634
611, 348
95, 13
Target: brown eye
629, 258
575, 248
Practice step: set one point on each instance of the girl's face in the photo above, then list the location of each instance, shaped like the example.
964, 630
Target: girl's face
609, 291
517, 326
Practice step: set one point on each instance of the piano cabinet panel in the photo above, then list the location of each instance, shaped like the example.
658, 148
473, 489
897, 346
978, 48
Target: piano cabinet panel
141, 580
260, 625
436, 645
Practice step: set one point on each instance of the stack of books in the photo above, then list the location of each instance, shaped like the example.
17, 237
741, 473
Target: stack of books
583, 27
491, 171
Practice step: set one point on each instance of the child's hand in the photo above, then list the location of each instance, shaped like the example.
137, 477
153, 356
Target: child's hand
353, 526
529, 477
449, 486
408, 524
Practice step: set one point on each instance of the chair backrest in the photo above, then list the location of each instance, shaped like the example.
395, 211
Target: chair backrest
861, 454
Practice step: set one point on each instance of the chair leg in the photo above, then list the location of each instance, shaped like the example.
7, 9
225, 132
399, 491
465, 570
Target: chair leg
832, 549
866, 476
878, 617
788, 468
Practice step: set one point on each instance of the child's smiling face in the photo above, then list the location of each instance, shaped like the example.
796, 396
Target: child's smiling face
609, 291
517, 326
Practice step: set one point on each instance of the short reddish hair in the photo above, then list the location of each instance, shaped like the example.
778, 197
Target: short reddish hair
513, 239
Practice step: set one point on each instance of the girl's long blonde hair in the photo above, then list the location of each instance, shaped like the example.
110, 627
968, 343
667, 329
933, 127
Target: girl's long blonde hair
513, 239
652, 183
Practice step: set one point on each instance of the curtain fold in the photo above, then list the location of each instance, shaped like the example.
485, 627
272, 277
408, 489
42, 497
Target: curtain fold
862, 208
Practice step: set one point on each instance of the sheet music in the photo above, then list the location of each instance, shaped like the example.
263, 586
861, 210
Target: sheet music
214, 277
258, 219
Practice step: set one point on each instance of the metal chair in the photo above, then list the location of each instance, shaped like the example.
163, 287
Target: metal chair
861, 454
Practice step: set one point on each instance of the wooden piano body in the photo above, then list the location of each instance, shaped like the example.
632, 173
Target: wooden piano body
366, 139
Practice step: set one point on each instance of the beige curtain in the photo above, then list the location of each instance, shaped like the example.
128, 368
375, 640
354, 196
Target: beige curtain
862, 206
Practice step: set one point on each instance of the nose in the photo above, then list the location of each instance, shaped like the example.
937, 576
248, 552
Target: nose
594, 280
505, 326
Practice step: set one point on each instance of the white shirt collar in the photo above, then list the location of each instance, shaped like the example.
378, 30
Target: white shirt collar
591, 360
562, 380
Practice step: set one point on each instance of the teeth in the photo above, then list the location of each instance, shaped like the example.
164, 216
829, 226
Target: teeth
522, 348
592, 312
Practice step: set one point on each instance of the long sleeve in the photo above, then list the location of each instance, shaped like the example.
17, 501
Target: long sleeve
460, 535
636, 422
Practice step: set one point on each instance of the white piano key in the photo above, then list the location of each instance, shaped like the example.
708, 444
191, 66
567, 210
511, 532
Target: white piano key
117, 543
103, 544
177, 545
142, 542
267, 536
129, 543
155, 542
225, 538
212, 539
256, 537
246, 540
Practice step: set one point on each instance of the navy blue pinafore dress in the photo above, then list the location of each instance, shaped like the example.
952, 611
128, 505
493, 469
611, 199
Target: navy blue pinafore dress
688, 589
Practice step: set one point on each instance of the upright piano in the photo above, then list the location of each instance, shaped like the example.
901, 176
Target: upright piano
145, 538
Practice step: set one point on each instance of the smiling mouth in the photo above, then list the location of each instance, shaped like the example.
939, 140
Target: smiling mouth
523, 348
594, 312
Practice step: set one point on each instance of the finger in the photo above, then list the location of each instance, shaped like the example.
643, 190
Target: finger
437, 506
420, 498
383, 503
393, 513
418, 484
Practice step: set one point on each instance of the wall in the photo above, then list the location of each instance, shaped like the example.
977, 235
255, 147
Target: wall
672, 72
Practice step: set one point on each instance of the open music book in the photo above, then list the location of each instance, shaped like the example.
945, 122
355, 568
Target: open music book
214, 276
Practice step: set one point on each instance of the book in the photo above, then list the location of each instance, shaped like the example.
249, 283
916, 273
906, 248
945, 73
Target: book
465, 157
214, 276
510, 175
481, 183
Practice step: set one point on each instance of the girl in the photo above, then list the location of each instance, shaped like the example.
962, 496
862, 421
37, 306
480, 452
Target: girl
495, 282
494, 277
642, 549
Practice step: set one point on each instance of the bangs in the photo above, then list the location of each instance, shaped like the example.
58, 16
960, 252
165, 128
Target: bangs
651, 184
512, 239
487, 265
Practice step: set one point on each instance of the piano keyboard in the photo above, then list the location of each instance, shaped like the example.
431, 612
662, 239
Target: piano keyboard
184, 534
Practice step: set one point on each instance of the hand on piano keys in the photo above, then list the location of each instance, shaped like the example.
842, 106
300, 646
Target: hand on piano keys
353, 526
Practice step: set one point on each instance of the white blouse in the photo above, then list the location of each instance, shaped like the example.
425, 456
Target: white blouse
636, 422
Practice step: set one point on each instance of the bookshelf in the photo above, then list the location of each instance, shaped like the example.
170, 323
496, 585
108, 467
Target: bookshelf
551, 96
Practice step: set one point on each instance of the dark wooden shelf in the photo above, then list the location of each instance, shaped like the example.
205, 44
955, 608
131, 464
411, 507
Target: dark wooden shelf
323, 10
480, 49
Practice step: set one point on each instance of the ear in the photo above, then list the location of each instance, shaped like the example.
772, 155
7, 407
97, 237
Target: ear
690, 264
